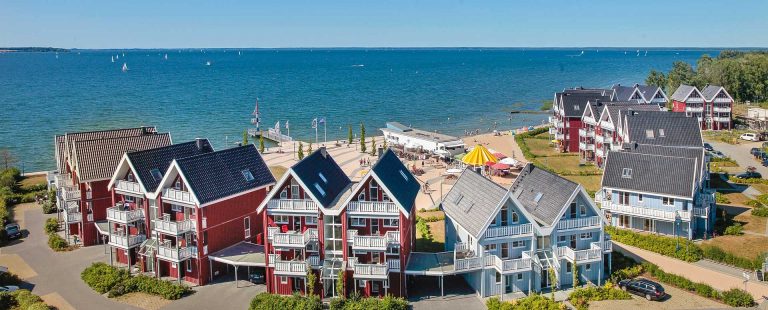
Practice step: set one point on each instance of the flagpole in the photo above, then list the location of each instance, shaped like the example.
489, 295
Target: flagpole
316, 120
325, 131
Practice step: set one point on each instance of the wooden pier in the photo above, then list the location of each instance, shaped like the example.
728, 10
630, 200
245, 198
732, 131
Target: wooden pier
271, 134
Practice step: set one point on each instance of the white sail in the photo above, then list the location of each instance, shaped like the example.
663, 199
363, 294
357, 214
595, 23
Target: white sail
125, 67
113, 58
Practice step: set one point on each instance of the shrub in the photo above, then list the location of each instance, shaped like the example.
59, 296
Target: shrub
719, 255
49, 207
266, 301
102, 277
388, 302
720, 198
7, 301
57, 243
51, 225
534, 301
166, 289
582, 296
667, 246
423, 229
738, 298
734, 230
8, 278
25, 299
760, 211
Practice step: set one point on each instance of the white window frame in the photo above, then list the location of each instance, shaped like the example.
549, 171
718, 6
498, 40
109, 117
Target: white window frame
295, 191
518, 244
385, 197
361, 196
490, 247
189, 265
639, 197
586, 235
374, 191
388, 222
281, 219
358, 222
668, 201
177, 208
247, 227
310, 220
283, 280
515, 218
284, 193
393, 250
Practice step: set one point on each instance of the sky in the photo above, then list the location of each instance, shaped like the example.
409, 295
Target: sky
383, 23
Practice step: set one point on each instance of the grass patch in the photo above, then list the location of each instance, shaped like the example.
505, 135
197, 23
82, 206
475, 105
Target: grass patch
591, 183
744, 246
33, 182
730, 137
541, 147
432, 239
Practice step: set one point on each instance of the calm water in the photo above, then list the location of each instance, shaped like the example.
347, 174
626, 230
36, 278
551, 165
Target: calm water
448, 90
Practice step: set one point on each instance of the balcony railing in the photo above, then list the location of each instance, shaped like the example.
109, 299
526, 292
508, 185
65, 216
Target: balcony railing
606, 125
178, 196
694, 109
293, 268
507, 231
582, 132
63, 180
560, 136
700, 212
607, 246
599, 152
578, 223
375, 271
370, 207
393, 264
722, 109
721, 119
599, 139
70, 194
128, 186
292, 205
655, 213
380, 243
291, 239
167, 226
552, 130
594, 253
116, 214
176, 254
722, 100
552, 119
74, 216
126, 242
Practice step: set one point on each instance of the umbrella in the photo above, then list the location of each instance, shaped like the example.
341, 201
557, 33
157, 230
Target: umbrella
500, 166
478, 156
499, 155
509, 161
489, 163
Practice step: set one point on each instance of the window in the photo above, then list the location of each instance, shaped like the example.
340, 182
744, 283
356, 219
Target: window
247, 175
284, 193
189, 265
576, 108
490, 247
322, 177
623, 198
384, 196
505, 250
568, 267
518, 244
538, 197
498, 277
391, 222
283, 280
374, 191
294, 190
361, 196
583, 210
586, 235
281, 219
649, 133
403, 174
310, 220
247, 227
177, 185
560, 238
361, 283
661, 132
156, 174
504, 220
319, 189
639, 197
515, 218
393, 250
588, 267
176, 208
667, 201
358, 222
519, 276
375, 257
626, 173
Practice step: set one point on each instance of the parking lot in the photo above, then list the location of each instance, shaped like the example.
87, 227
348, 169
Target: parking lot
740, 153
678, 299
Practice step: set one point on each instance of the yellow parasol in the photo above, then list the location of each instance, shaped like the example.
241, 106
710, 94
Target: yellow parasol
479, 156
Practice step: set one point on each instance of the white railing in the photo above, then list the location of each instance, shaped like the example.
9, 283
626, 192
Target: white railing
552, 119
552, 130
722, 119
63, 180
607, 246
582, 145
177, 195
599, 152
292, 205
74, 217
722, 109
599, 138
173, 227
176, 254
393, 264
292, 239
128, 186
582, 222
272, 258
559, 136
371, 270
722, 100
116, 214
694, 110
615, 146
588, 120
512, 265
313, 260
372, 207
700, 212
506, 231
291, 267
582, 132
582, 256
694, 100
375, 242
126, 241
461, 247
590, 147
70, 193
660, 214
606, 125
469, 263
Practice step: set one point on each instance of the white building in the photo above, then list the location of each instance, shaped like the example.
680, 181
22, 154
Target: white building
397, 134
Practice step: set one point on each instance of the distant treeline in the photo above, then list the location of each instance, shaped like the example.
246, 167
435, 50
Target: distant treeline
743, 74
33, 49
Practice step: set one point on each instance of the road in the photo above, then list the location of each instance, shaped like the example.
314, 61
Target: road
740, 153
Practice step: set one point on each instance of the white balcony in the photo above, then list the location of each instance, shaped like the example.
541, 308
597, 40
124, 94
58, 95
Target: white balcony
721, 119
723, 100
372, 208
513, 265
126, 242
166, 226
593, 254
583, 146
606, 125
175, 195
394, 265
291, 268
128, 187
701, 212
647, 212
176, 254
590, 147
552, 119
63, 180
313, 261
694, 109
607, 246
582, 132
369, 271
73, 216
70, 194
599, 152
560, 136
589, 120
694, 100
552, 130
291, 239
116, 214
373, 243
579, 223
509, 231
599, 138
722, 109
292, 205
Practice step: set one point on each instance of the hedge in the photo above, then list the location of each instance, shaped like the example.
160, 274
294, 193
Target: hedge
57, 243
760, 211
267, 301
51, 225
386, 303
738, 298
719, 255
103, 278
530, 302
520, 139
22, 300
581, 297
657, 244
733, 179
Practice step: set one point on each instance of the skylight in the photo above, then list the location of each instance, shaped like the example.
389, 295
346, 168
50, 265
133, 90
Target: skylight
322, 177
649, 133
661, 132
320, 189
156, 174
538, 197
247, 175
405, 176
626, 173
458, 199
468, 207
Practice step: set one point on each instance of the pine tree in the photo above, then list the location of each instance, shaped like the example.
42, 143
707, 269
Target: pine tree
362, 138
349, 135
373, 146
261, 143
245, 137
301, 151
309, 149
385, 146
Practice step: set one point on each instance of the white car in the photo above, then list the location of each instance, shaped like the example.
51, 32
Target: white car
8, 288
749, 137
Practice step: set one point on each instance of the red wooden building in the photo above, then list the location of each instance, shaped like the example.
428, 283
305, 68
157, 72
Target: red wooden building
568, 107
712, 106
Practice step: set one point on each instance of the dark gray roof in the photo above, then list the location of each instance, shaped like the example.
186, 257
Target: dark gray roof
651, 173
696, 153
553, 192
396, 177
472, 201
678, 130
574, 103
623, 93
648, 91
614, 108
216, 175
681, 93
59, 150
710, 92
161, 158
97, 159
333, 183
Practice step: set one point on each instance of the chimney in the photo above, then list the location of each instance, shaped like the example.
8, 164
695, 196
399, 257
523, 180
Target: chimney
380, 151
323, 152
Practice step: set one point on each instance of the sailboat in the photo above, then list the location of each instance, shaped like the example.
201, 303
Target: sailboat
208, 63
118, 56
113, 58
123, 54
125, 67
165, 57
239, 53
646, 53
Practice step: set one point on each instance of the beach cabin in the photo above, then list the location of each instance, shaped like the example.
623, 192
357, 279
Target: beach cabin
400, 136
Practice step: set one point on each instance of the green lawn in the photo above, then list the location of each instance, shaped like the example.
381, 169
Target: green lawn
567, 165
591, 183
541, 147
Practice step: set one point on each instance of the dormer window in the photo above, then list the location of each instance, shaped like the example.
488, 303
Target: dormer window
626, 173
247, 175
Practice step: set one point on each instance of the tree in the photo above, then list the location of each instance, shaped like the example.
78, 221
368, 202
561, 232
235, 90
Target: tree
553, 282
681, 73
311, 279
309, 148
340, 284
7, 158
349, 135
384, 145
373, 146
245, 137
301, 151
656, 78
362, 138
575, 275
261, 143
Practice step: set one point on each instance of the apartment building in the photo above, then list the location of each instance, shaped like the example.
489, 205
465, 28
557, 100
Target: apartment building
712, 106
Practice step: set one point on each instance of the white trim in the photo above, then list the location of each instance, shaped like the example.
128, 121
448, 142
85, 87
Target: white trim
648, 193
175, 167
271, 194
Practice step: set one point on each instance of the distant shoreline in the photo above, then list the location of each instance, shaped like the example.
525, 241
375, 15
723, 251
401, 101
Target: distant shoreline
32, 50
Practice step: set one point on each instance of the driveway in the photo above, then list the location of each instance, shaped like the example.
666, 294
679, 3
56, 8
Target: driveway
740, 153
425, 294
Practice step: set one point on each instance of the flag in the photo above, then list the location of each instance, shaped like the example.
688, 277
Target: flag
321, 121
314, 123
277, 127
286, 124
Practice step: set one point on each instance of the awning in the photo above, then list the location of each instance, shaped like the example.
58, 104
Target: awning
241, 254
102, 227
454, 143
430, 264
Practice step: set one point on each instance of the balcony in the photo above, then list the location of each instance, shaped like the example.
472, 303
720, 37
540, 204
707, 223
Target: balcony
369, 271
63, 180
599, 152
116, 214
599, 139
560, 136
582, 132
647, 212
292, 205
589, 120
607, 246
174, 254
373, 243
509, 231
606, 125
126, 242
166, 226
593, 254
579, 223
694, 109
313, 261
722, 109
70, 194
394, 265
552, 130
513, 265
721, 119
128, 187
694, 100
701, 212
291, 239
73, 215
552, 119
174, 195
723, 100
372, 208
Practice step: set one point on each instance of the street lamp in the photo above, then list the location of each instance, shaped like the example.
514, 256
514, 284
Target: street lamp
677, 231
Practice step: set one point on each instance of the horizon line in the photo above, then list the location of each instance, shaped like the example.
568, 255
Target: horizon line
405, 47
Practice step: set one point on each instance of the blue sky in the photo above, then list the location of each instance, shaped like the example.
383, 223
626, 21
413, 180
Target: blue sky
395, 23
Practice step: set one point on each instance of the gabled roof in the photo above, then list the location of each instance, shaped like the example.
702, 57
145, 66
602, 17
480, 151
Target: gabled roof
472, 201
59, 149
97, 159
161, 158
696, 153
645, 127
711, 91
542, 193
614, 108
624, 93
574, 103
658, 174
649, 92
682, 92
72, 137
215, 175
395, 177
326, 188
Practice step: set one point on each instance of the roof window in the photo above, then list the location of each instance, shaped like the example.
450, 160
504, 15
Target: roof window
402, 173
458, 199
322, 177
538, 197
626, 173
247, 175
661, 132
156, 174
320, 189
649, 133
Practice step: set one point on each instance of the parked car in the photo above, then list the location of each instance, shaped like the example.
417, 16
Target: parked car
750, 137
642, 287
13, 231
754, 151
717, 154
257, 278
765, 162
708, 147
749, 175
8, 288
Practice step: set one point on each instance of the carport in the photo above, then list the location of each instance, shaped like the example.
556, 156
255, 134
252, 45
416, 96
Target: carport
431, 264
242, 254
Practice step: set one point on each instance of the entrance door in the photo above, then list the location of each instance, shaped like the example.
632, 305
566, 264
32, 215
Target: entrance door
573, 242
545, 278
297, 223
647, 225
150, 260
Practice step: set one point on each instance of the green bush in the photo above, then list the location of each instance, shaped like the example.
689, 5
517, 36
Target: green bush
26, 300
388, 302
530, 302
9, 278
49, 207
423, 228
51, 225
720, 198
719, 255
736, 180
581, 297
738, 298
57, 243
667, 246
266, 301
166, 289
102, 277
433, 218
7, 301
681, 282
760, 211
734, 230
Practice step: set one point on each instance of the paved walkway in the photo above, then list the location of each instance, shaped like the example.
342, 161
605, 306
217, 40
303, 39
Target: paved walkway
740, 153
718, 276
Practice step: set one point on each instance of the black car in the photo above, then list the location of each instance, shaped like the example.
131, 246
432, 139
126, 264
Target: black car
749, 175
257, 278
642, 287
765, 162
13, 231
755, 151
708, 147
